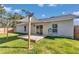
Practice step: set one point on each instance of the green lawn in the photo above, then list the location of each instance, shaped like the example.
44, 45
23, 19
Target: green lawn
48, 45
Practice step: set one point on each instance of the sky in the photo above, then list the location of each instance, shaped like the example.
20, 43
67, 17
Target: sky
45, 10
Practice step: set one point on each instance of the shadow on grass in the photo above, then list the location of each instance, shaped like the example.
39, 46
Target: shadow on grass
20, 33
50, 37
12, 47
10, 38
54, 37
4, 39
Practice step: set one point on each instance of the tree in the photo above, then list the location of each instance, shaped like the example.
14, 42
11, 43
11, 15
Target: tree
2, 12
10, 19
14, 17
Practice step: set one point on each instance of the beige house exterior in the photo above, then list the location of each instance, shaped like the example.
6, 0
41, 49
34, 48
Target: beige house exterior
62, 26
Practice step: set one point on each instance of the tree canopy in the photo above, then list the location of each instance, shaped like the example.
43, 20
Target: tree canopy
7, 17
2, 10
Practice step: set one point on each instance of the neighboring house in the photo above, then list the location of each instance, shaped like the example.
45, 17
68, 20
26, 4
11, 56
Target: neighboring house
54, 26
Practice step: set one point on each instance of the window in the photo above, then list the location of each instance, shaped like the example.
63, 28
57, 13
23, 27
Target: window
24, 28
54, 28
54, 25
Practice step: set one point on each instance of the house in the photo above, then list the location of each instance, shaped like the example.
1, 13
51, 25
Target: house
62, 26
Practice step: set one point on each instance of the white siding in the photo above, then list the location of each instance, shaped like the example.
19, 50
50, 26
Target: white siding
65, 28
20, 28
33, 29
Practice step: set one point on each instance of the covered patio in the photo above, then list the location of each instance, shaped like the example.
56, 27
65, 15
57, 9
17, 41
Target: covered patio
29, 20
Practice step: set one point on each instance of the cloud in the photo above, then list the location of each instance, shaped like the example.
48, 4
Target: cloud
74, 13
49, 5
52, 5
8, 9
17, 10
2, 5
43, 15
41, 5
63, 12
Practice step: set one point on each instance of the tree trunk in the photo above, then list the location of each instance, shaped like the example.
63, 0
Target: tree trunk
7, 28
4, 30
14, 26
7, 31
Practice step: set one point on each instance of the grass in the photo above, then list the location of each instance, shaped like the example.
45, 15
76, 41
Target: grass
48, 45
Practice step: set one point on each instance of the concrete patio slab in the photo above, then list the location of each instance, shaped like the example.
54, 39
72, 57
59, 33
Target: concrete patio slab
34, 38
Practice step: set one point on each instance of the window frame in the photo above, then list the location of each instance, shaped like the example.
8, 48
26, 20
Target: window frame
55, 28
25, 28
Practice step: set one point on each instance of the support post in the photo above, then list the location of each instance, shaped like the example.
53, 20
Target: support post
29, 32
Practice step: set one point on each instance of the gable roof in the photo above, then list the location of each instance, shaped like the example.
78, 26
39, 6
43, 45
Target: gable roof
59, 18
50, 19
34, 19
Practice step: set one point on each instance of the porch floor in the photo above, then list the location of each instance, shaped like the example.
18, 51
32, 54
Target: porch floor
34, 38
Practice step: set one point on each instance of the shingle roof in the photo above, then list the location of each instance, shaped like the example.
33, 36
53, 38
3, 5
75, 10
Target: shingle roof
55, 18
34, 19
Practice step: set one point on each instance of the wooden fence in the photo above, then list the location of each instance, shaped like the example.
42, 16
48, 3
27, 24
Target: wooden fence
4, 30
77, 32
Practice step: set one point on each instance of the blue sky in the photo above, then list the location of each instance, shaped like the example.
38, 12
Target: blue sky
45, 10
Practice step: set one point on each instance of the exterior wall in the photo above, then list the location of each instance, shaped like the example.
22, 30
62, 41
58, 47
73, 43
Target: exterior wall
65, 28
33, 29
20, 28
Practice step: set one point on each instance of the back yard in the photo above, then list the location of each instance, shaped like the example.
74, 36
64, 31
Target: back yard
48, 45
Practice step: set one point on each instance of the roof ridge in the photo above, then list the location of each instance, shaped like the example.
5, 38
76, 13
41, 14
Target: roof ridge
58, 16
